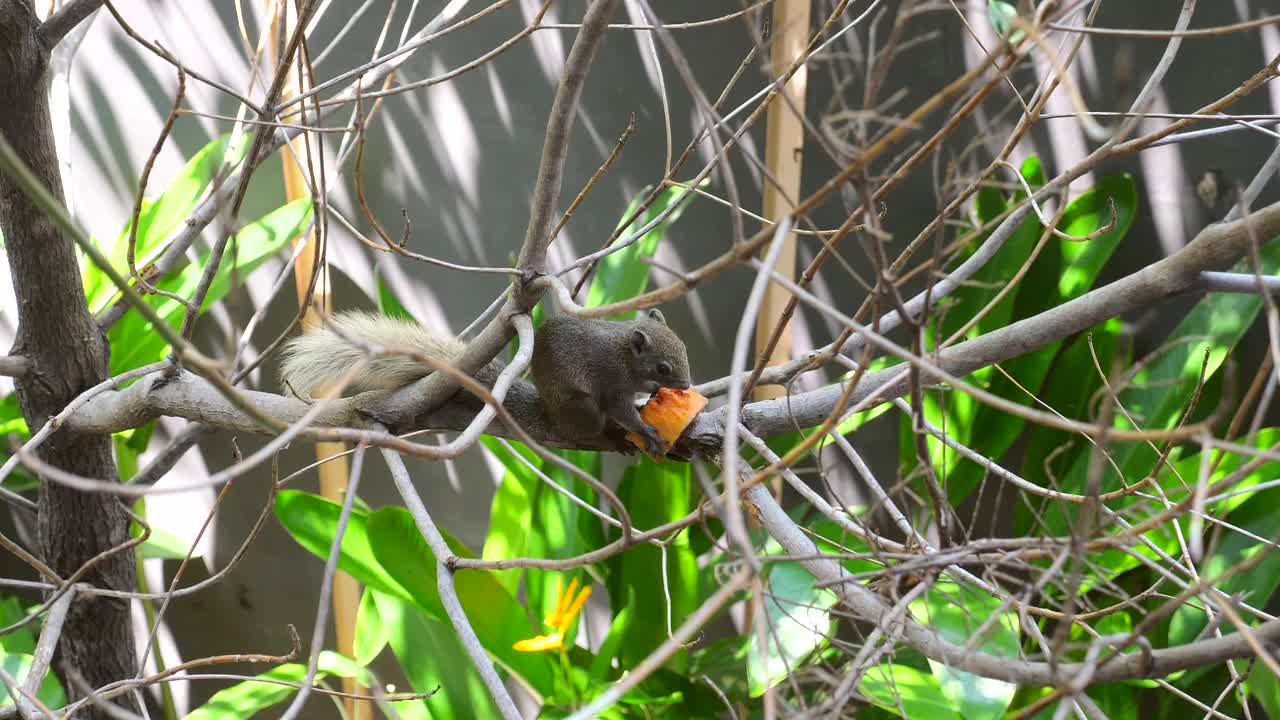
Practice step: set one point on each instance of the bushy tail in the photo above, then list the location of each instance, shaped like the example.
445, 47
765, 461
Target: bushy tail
315, 360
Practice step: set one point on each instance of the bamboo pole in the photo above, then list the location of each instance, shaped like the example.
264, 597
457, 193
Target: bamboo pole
333, 474
784, 149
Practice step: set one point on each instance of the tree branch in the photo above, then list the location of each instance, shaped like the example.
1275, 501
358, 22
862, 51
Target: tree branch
14, 366
52, 30
869, 607
186, 396
1215, 247
434, 390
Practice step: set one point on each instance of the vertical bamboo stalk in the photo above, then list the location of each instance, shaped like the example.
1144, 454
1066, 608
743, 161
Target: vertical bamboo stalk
334, 473
784, 148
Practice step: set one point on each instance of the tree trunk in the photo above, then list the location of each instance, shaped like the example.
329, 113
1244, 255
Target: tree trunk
67, 354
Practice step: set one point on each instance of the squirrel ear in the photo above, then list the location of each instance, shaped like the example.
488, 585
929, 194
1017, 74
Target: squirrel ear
656, 315
639, 341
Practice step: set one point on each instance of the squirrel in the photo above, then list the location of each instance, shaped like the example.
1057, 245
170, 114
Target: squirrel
587, 372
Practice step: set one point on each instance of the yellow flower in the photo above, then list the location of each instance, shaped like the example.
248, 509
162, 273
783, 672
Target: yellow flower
560, 619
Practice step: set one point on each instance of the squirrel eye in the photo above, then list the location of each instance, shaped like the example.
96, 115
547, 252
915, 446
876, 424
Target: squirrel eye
664, 368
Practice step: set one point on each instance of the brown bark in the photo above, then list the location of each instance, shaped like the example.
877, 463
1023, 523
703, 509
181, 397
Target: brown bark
67, 354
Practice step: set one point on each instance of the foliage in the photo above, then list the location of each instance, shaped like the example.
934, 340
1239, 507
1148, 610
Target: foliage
135, 345
528, 622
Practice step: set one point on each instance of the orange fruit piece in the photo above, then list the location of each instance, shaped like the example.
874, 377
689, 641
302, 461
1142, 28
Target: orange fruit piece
669, 411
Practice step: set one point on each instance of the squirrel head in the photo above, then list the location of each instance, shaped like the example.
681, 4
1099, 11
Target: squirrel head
658, 356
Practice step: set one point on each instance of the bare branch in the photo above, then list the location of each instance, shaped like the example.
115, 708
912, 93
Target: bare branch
71, 14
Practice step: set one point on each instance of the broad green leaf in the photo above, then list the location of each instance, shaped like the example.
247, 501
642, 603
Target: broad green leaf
601, 667
371, 635
1257, 516
388, 303
1188, 469
511, 511
625, 273
957, 413
21, 641
498, 620
1001, 15
1264, 687
906, 692
958, 613
12, 423
158, 218
1087, 214
17, 648
245, 699
1073, 266
434, 661
796, 623
1158, 395
562, 529
18, 666
655, 493
134, 343
1070, 384
312, 520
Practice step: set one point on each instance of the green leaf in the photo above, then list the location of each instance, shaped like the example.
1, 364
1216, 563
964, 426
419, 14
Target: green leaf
1158, 395
511, 511
796, 623
371, 635
1073, 267
1071, 383
312, 521
18, 666
21, 641
601, 665
134, 343
1264, 687
434, 661
1257, 516
1188, 469
625, 274
655, 493
388, 303
158, 218
1086, 215
958, 612
1001, 14
243, 700
498, 620
958, 413
907, 692
562, 529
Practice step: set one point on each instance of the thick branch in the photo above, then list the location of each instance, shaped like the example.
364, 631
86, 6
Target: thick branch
189, 397
65, 20
1216, 246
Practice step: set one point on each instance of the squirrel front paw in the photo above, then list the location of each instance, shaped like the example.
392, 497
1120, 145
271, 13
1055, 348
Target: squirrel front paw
654, 445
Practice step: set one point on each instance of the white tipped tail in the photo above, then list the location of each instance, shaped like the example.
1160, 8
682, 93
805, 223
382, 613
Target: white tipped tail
315, 360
